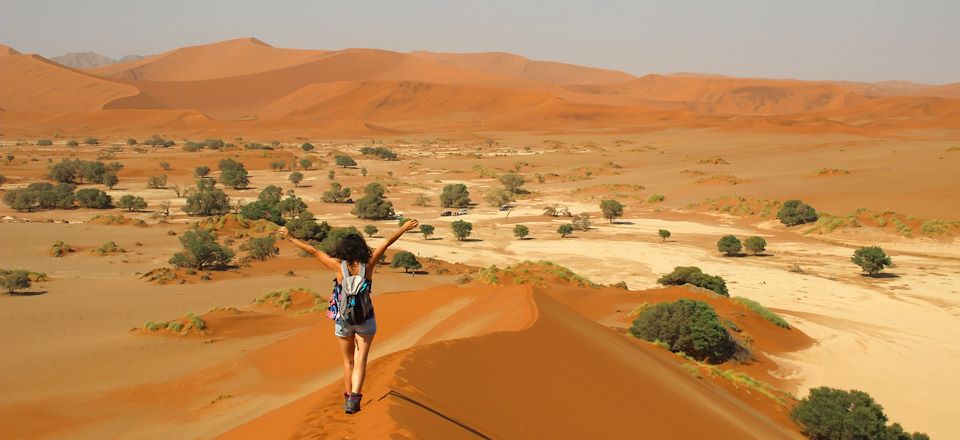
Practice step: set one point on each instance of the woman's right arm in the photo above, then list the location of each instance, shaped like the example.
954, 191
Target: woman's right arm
325, 259
378, 253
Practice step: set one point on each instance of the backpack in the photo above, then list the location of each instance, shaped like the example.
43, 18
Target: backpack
355, 305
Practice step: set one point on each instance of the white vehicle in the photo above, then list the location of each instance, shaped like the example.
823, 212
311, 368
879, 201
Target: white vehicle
462, 211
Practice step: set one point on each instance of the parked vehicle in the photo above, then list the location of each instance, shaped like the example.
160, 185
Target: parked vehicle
505, 208
446, 214
462, 211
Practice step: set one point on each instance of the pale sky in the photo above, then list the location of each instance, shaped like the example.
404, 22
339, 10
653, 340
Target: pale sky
860, 40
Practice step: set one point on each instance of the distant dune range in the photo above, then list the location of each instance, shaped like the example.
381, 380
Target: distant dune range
245, 84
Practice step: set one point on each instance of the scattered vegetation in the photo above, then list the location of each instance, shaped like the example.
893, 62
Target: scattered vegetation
581, 222
336, 194
536, 273
233, 174
795, 212
693, 275
295, 178
207, 200
372, 205
14, 280
426, 230
60, 248
755, 244
345, 161
406, 260
422, 200
834, 414
664, 234
201, 250
132, 203
521, 231
762, 311
380, 152
461, 229
108, 248
372, 230
455, 196
261, 248
729, 245
611, 209
564, 230
93, 198
656, 198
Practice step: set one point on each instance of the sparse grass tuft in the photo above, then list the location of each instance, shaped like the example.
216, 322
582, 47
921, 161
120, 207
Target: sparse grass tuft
762, 311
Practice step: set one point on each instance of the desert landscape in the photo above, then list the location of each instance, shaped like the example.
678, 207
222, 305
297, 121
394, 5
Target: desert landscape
567, 212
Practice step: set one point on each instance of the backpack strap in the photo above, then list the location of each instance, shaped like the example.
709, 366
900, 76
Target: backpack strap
344, 269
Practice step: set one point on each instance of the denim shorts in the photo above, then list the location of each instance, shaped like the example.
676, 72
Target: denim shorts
344, 330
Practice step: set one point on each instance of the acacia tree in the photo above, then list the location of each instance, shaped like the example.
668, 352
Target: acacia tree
295, 178
872, 259
664, 234
755, 244
512, 182
729, 245
201, 250
521, 231
426, 230
455, 196
461, 229
565, 229
370, 230
345, 161
611, 209
406, 260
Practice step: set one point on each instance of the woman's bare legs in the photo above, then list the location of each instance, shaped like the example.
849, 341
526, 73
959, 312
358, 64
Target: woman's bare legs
347, 350
359, 361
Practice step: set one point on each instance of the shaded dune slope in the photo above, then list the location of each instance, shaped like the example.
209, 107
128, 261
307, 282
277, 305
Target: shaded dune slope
33, 84
556, 378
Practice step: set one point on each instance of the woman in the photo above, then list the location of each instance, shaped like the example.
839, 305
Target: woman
354, 340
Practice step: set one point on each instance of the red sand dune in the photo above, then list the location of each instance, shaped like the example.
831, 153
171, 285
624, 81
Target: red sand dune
556, 378
247, 85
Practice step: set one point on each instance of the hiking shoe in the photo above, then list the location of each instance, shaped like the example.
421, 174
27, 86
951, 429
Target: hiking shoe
346, 396
352, 404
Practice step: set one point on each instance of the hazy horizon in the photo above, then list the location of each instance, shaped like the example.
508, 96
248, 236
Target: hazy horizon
862, 40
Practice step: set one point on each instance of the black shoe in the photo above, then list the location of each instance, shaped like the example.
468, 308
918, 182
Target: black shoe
352, 404
346, 396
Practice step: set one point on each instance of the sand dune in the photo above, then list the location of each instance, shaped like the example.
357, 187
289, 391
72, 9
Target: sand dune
33, 84
520, 68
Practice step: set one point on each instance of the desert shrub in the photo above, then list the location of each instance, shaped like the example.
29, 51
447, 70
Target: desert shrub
331, 174
755, 244
611, 209
834, 414
372, 205
498, 197
207, 200
91, 141
565, 230
461, 229
422, 200
109, 247
521, 231
455, 196
201, 250
664, 234
196, 322
655, 198
329, 243
762, 311
131, 203
156, 325
72, 143
336, 194
20, 199
262, 248
730, 245
157, 182
44, 142
233, 174
363, 171
872, 259
94, 198
687, 326
295, 178
380, 152
110, 179
165, 165
512, 182
795, 212
158, 141
60, 248
306, 146
304, 226
370, 230
581, 222
201, 171
620, 285
406, 260
426, 230
345, 161
14, 280
934, 227
693, 275
3, 179
462, 279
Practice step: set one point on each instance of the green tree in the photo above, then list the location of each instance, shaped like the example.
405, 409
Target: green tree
455, 196
370, 230
581, 222
512, 182
131, 203
406, 260
131, 141
693, 275
687, 326
729, 245
157, 182
426, 230
207, 200
336, 194
372, 205
565, 229
331, 174
14, 280
44, 142
305, 163
94, 198
422, 200
461, 229
233, 174
110, 179
345, 161
664, 234
10, 158
498, 197
611, 209
755, 244
295, 178
521, 231
67, 170
201, 250
261, 248
872, 259
21, 199
304, 226
306, 146
795, 212
201, 171
833, 414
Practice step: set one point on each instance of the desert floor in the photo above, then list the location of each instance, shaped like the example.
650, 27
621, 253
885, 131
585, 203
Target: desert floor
74, 367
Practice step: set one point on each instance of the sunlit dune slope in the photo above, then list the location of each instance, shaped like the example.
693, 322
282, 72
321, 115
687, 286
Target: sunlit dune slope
34, 84
520, 68
557, 378
237, 57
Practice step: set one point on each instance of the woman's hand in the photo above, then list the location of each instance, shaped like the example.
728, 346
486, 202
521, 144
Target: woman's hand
283, 232
409, 225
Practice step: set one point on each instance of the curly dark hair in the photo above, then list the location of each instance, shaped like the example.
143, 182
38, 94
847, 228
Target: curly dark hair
353, 248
